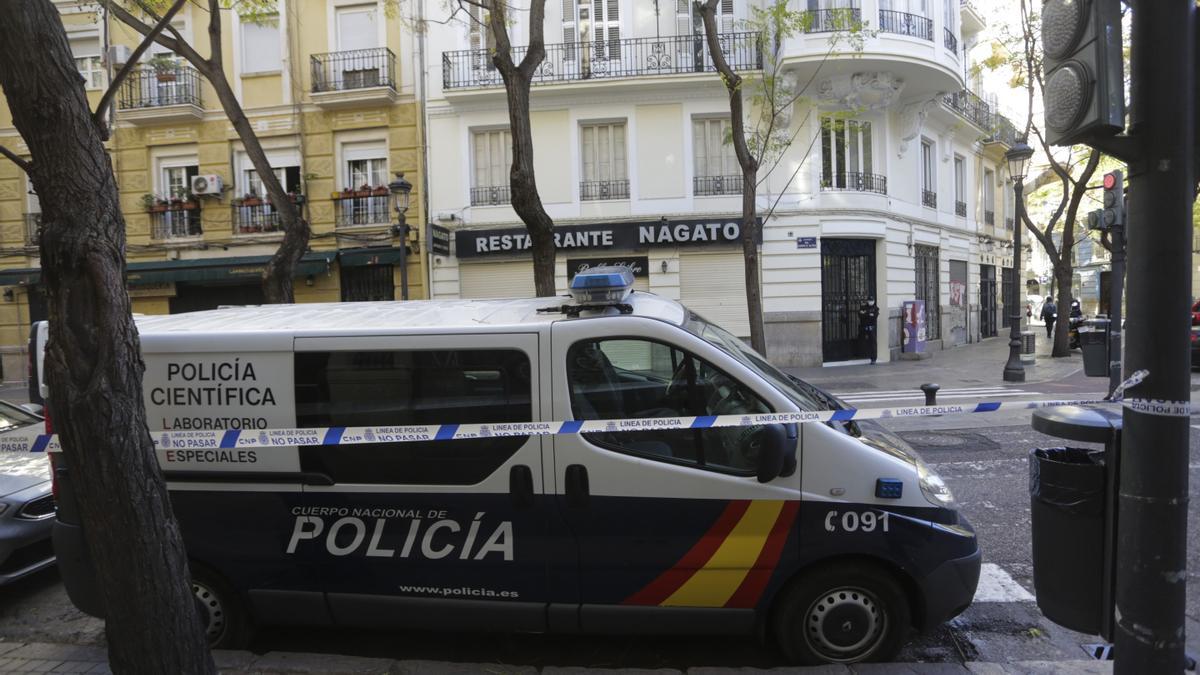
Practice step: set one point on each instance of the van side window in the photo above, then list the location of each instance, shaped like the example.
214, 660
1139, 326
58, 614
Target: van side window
632, 378
394, 388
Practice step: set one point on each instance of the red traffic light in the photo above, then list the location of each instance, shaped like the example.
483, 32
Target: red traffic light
1110, 181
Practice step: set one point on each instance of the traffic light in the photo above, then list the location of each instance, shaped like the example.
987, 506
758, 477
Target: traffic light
1084, 73
1113, 213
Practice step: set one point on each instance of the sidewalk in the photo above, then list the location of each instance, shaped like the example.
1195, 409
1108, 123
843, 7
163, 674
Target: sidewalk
972, 365
38, 657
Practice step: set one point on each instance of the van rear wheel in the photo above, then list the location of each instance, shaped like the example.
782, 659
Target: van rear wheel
845, 614
222, 614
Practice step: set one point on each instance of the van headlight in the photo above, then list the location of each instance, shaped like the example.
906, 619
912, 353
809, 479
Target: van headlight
933, 487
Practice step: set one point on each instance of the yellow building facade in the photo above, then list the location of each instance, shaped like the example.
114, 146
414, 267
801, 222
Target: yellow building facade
329, 87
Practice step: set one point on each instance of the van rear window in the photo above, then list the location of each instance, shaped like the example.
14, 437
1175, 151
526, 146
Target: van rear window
377, 388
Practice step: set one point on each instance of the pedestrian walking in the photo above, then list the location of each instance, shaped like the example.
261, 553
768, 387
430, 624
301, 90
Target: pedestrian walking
868, 317
1049, 314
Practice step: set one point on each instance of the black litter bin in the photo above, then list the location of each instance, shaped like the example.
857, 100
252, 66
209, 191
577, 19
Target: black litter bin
1093, 341
1067, 509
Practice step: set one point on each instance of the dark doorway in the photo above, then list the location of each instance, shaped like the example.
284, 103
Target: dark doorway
987, 301
365, 284
847, 281
197, 297
1008, 291
928, 286
38, 309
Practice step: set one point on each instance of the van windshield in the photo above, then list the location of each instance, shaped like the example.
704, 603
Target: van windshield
807, 398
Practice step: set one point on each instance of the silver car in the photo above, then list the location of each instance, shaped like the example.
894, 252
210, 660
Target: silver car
26, 503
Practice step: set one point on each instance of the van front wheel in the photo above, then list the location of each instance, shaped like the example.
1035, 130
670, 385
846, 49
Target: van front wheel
845, 614
226, 625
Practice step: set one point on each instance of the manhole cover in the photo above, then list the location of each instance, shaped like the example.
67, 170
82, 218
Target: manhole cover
942, 440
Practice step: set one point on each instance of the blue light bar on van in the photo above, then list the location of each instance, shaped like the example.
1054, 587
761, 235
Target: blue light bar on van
610, 284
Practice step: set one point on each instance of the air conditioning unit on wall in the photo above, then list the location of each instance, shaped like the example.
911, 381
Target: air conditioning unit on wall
209, 184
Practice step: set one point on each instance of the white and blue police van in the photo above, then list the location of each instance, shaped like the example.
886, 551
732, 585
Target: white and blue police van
833, 540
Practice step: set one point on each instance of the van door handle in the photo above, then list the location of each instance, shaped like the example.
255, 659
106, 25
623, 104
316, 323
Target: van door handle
577, 486
520, 486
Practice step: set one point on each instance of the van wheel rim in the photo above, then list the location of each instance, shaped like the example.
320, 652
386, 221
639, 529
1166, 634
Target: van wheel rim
845, 624
213, 613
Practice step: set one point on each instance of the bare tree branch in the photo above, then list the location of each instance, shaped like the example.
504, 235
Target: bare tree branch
21, 163
106, 100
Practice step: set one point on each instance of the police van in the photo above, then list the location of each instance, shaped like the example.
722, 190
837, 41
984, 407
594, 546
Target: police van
832, 539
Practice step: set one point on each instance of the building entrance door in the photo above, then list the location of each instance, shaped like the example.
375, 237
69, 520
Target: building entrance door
847, 281
987, 301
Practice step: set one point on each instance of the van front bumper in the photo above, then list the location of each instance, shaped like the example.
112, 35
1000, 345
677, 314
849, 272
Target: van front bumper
949, 589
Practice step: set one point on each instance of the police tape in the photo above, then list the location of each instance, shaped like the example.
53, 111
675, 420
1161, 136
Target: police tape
15, 442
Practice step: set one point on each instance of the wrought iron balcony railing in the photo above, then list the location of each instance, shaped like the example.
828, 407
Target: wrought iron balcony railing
929, 199
492, 195
969, 105
989, 217
951, 40
355, 69
369, 210
710, 186
159, 87
33, 229
1008, 222
1003, 131
960, 209
903, 23
832, 20
591, 190
256, 215
853, 180
175, 221
607, 59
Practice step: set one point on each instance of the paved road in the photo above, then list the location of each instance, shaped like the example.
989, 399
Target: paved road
982, 457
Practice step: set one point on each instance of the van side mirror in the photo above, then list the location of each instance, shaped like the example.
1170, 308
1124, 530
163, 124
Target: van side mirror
33, 408
773, 446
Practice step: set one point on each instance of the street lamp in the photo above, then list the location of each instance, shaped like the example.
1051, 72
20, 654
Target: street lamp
400, 190
1018, 161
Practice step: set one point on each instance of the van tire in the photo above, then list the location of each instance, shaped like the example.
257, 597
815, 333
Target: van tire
221, 611
868, 606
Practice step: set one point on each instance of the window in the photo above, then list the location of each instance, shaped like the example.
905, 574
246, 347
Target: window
597, 22
91, 70
631, 378
846, 155
357, 27
951, 9
960, 186
260, 45
603, 151
716, 168
493, 159
687, 20
368, 283
369, 172
289, 177
989, 197
1009, 204
928, 175
391, 388
180, 218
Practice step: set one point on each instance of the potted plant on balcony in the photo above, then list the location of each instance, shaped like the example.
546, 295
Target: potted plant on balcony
380, 191
249, 199
164, 67
154, 204
363, 190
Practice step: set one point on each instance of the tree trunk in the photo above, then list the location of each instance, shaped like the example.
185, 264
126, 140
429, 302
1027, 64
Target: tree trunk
758, 339
93, 364
522, 183
1064, 274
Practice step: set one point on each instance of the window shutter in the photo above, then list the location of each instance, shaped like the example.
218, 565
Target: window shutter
618, 154
683, 17
726, 16
569, 29
587, 151
614, 29
700, 147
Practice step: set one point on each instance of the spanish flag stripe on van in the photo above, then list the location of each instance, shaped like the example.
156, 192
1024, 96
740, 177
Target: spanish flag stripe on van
751, 590
715, 583
668, 582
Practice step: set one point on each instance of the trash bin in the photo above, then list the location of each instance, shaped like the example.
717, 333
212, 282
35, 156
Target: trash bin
1067, 507
1073, 498
1028, 346
1093, 340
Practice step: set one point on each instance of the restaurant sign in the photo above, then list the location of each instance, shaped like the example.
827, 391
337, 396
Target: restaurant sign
628, 236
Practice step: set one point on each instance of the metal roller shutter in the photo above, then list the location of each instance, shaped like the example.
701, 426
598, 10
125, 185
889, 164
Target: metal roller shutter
714, 286
496, 280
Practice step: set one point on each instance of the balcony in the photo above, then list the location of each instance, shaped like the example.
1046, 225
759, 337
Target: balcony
854, 181
950, 40
989, 217
902, 23
1008, 222
712, 186
595, 190
832, 20
33, 229
354, 78
175, 220
362, 207
492, 195
1002, 131
968, 104
255, 215
161, 95
607, 60
929, 199
960, 209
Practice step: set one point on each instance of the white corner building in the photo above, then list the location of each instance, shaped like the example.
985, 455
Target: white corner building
894, 188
